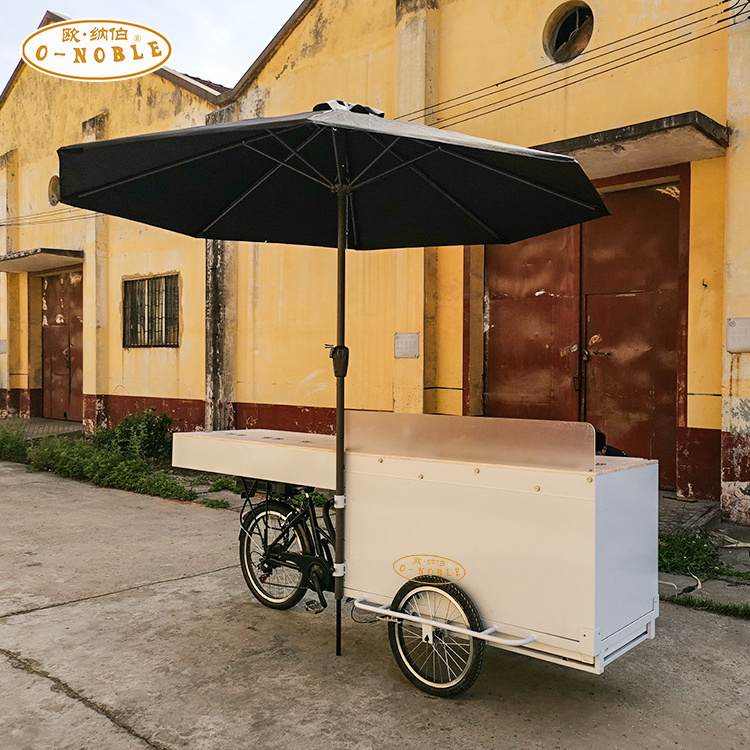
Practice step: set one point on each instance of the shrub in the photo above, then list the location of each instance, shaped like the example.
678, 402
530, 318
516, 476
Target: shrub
146, 435
212, 502
104, 464
13, 445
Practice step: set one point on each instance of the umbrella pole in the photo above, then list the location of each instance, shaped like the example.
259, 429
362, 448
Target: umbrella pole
340, 357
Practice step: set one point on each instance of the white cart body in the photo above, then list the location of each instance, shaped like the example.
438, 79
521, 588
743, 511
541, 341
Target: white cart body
550, 541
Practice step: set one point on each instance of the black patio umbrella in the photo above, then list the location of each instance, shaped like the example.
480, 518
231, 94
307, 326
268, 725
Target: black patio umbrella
340, 176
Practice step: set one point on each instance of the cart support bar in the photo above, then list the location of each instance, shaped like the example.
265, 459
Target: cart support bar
485, 635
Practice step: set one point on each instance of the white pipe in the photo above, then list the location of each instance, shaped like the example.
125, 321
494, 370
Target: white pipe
484, 635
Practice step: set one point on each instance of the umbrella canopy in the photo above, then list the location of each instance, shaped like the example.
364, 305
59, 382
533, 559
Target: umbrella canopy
340, 176
275, 179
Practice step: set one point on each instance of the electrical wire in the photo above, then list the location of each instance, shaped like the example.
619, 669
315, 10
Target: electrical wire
48, 217
496, 106
554, 68
582, 69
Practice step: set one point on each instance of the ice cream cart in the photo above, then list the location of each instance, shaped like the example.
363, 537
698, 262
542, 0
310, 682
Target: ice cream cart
461, 532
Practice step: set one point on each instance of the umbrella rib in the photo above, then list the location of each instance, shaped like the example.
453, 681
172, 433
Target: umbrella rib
279, 164
525, 181
404, 163
410, 163
154, 170
351, 224
296, 152
380, 155
165, 167
282, 163
337, 157
459, 205
239, 200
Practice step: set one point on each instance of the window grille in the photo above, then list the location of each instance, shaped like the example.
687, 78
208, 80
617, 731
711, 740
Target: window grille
151, 312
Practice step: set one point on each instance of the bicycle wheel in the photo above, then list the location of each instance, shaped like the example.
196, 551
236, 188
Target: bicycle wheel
277, 586
449, 664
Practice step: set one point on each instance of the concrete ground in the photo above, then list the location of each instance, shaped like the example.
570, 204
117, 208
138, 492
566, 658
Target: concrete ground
125, 624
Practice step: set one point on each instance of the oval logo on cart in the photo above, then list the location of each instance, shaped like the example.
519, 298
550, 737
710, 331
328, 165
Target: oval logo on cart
412, 566
96, 50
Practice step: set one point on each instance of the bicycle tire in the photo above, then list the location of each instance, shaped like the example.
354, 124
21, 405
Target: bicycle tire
275, 586
450, 664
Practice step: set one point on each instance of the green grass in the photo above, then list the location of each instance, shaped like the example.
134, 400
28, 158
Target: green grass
689, 553
212, 502
225, 483
128, 457
13, 446
741, 611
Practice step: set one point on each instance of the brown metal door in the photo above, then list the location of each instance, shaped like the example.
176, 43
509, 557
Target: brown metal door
62, 346
630, 282
533, 319
613, 280
631, 361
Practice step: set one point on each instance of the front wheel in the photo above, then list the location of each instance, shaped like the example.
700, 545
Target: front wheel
276, 585
437, 661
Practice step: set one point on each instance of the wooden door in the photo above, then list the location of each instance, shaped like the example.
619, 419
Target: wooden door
62, 346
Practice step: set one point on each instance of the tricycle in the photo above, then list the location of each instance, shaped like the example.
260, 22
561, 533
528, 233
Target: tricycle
461, 532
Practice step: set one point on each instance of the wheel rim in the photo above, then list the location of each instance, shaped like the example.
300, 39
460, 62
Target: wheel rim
275, 583
444, 662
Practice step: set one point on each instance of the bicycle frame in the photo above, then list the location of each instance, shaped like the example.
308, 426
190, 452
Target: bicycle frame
317, 569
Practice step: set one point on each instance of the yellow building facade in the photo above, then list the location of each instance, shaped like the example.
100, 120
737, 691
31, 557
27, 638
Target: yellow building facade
64, 271
639, 323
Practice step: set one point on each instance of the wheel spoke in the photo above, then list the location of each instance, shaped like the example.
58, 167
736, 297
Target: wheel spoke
273, 583
451, 663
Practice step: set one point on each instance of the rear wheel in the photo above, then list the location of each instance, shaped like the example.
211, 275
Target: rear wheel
436, 660
271, 583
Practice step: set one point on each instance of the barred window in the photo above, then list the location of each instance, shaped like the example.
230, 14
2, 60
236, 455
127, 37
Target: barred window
151, 312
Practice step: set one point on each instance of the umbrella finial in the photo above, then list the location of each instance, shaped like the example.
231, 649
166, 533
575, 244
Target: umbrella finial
360, 109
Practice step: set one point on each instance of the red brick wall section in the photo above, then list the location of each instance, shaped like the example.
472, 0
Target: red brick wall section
699, 463
188, 415
314, 419
21, 402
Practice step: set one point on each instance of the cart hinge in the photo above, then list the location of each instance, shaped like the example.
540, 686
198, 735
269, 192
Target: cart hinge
339, 501
339, 570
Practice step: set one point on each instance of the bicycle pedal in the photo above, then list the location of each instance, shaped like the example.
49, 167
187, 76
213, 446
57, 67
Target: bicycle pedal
315, 607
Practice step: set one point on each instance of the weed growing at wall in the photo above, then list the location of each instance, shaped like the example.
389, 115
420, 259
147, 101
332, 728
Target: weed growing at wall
128, 457
106, 467
13, 446
225, 483
691, 553
146, 435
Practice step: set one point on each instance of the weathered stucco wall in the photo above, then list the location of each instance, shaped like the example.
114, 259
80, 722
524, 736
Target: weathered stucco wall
407, 57
114, 249
736, 366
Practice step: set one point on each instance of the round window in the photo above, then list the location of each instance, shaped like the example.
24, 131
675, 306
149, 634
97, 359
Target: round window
568, 31
53, 190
